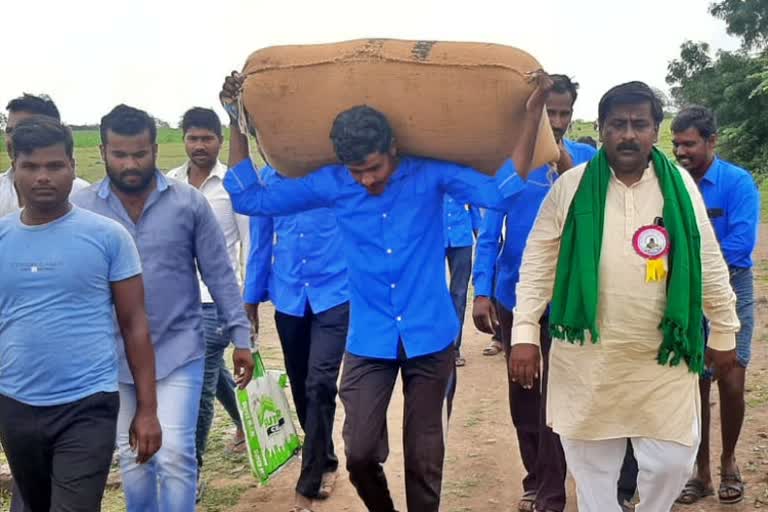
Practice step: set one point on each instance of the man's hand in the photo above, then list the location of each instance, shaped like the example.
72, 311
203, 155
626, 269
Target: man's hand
230, 91
243, 362
252, 310
720, 361
145, 435
484, 315
524, 360
538, 97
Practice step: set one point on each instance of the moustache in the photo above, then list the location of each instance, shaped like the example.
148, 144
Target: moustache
628, 146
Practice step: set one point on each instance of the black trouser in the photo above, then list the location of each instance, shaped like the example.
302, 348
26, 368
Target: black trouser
366, 389
313, 346
60, 455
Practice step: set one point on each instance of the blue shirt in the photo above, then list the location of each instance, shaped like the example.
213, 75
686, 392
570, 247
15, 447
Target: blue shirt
295, 260
461, 223
57, 326
733, 204
393, 243
503, 261
176, 235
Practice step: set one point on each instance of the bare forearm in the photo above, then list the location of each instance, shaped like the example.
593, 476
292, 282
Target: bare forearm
238, 145
141, 360
522, 155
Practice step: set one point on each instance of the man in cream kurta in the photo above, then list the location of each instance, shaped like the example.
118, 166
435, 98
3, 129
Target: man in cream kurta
601, 394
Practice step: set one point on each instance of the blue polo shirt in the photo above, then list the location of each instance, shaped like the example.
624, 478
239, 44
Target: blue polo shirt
733, 204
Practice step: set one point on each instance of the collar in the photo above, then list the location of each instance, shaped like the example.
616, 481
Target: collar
181, 173
404, 168
713, 173
105, 190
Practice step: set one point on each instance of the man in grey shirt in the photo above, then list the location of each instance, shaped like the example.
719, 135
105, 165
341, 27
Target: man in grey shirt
176, 233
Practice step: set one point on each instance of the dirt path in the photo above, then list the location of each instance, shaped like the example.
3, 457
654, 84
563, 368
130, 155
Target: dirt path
483, 469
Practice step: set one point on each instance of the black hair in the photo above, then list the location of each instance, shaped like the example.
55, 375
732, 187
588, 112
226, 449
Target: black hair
40, 131
562, 84
630, 93
198, 117
40, 105
586, 139
125, 120
696, 116
359, 132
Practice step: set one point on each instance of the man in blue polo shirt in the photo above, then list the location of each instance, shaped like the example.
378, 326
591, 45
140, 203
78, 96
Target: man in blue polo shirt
733, 204
297, 262
402, 318
540, 448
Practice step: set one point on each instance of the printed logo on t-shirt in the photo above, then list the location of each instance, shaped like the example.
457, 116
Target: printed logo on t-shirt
36, 267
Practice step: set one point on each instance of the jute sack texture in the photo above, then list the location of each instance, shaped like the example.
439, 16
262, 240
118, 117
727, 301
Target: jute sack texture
462, 102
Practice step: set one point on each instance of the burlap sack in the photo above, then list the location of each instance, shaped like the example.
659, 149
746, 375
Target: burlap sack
461, 102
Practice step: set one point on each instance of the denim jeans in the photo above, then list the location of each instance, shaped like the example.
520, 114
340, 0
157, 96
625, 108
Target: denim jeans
167, 483
460, 268
743, 286
217, 379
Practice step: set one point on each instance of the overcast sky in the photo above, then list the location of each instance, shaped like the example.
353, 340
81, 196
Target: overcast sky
168, 55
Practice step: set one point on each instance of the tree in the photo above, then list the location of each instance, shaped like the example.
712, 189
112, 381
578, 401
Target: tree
747, 19
733, 85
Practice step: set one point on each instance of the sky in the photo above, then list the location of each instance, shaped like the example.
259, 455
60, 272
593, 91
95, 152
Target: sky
165, 56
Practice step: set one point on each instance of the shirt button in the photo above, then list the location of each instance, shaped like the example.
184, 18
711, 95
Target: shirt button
449, 228
399, 318
449, 214
301, 235
384, 215
306, 285
303, 261
392, 285
389, 251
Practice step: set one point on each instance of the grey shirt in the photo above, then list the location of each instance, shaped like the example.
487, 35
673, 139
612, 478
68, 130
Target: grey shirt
176, 235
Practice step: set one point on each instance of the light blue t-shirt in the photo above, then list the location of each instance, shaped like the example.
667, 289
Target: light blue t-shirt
57, 323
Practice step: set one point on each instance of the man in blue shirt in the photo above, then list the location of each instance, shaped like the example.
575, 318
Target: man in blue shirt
297, 261
462, 223
540, 449
66, 275
402, 317
733, 204
176, 233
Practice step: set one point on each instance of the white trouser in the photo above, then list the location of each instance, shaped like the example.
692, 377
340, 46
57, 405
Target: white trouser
664, 467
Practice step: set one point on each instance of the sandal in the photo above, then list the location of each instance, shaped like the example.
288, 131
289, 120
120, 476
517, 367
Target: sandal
731, 489
460, 361
693, 491
493, 348
527, 502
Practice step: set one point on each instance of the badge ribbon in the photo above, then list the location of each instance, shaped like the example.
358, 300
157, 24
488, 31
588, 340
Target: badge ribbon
652, 244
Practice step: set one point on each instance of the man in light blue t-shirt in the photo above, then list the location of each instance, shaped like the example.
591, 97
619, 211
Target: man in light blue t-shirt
65, 274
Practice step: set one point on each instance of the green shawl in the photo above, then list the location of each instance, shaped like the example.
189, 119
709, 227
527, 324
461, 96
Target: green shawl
574, 301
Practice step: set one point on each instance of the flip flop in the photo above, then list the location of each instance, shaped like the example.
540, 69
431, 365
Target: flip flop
460, 361
731, 489
693, 491
493, 348
528, 502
